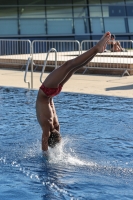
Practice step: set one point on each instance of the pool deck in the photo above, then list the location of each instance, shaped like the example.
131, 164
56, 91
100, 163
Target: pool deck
87, 84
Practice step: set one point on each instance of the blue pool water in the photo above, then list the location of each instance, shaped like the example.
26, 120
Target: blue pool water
94, 160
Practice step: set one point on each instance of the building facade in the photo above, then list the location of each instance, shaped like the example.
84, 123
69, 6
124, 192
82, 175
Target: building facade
71, 19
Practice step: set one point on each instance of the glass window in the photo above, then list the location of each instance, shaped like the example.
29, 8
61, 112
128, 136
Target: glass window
31, 2
80, 11
95, 11
31, 12
32, 26
123, 37
79, 2
113, 11
8, 12
130, 23
105, 11
130, 10
55, 2
115, 25
96, 37
94, 2
8, 2
96, 25
129, 2
59, 12
121, 2
59, 26
9, 27
117, 11
81, 26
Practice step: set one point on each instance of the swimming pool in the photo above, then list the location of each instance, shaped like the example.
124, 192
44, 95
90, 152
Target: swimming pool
94, 160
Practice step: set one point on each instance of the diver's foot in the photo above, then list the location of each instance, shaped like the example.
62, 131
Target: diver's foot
101, 45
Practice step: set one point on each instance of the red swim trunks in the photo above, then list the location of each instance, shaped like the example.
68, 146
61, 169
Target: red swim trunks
51, 92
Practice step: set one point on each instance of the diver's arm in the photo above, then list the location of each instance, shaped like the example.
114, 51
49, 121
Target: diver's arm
55, 118
44, 142
45, 154
45, 137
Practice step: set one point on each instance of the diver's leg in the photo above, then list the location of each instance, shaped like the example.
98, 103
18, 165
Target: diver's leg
59, 74
70, 73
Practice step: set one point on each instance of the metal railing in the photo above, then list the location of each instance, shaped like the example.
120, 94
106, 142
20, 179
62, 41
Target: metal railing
45, 62
39, 54
65, 50
26, 70
14, 52
110, 60
17, 53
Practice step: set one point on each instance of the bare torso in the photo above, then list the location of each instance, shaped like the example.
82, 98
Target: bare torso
45, 111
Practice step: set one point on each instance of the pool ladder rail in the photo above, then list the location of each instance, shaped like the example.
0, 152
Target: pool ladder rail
45, 62
26, 70
29, 61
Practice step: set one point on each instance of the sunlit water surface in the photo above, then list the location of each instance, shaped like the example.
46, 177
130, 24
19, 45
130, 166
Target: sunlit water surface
94, 160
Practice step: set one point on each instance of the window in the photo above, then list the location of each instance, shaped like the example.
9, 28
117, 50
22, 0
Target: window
8, 21
79, 2
105, 11
115, 25
130, 23
119, 2
32, 26
8, 12
59, 19
56, 2
31, 12
9, 27
130, 10
59, 12
94, 2
80, 19
31, 2
59, 26
81, 25
8, 2
128, 2
113, 11
95, 11
80, 11
32, 20
96, 25
117, 11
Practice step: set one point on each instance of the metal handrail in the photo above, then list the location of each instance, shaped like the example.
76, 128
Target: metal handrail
26, 70
132, 43
45, 62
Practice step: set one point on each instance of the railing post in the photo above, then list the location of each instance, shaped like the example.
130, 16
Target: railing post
32, 65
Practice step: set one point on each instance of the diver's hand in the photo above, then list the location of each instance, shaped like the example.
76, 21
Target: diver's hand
45, 154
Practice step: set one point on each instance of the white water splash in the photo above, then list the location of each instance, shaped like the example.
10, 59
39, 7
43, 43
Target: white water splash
63, 155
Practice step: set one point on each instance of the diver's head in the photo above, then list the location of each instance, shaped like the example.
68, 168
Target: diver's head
54, 138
